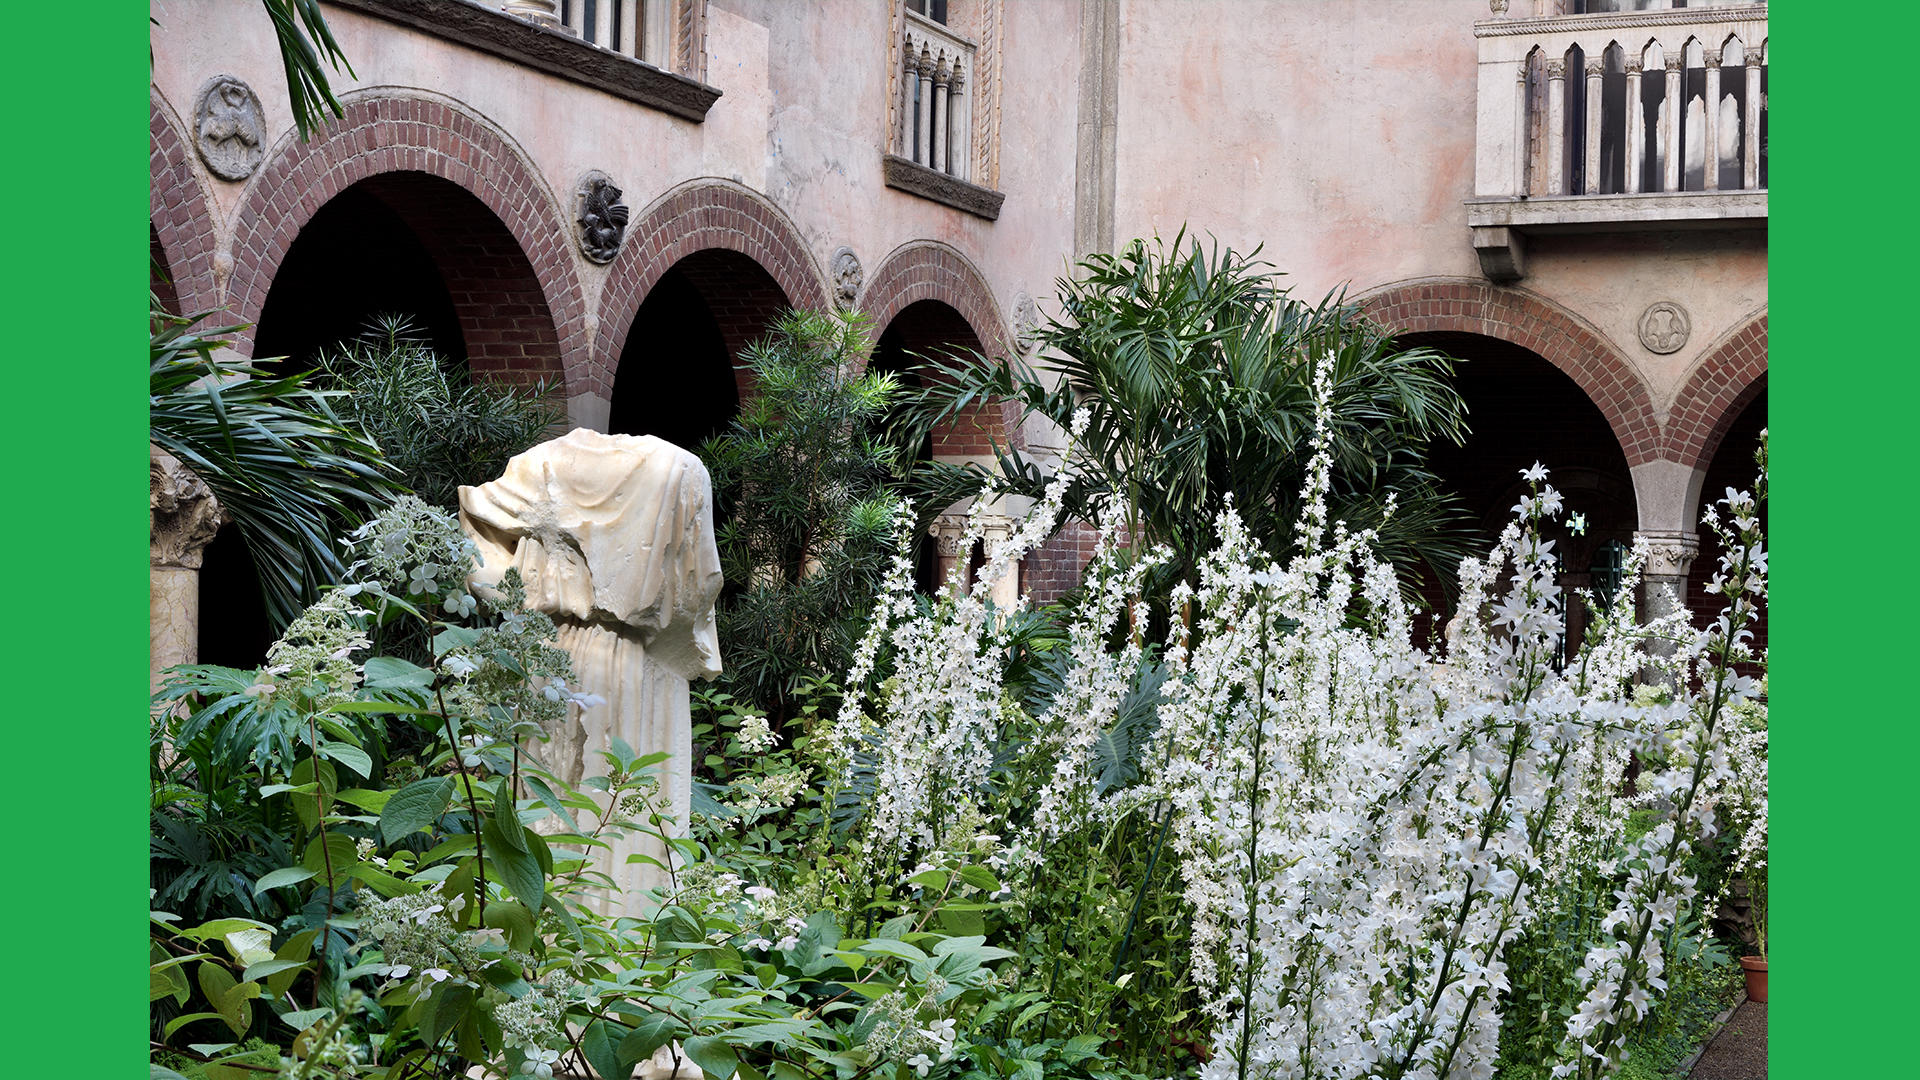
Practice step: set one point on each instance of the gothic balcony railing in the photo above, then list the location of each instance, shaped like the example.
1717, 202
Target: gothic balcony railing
1649, 118
934, 122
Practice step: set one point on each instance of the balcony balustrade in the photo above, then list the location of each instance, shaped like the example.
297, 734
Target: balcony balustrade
1627, 119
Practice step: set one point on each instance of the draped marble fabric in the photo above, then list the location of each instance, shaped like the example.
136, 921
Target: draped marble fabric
613, 536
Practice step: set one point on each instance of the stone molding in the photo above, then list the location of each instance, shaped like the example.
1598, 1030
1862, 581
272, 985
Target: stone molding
544, 49
1618, 20
904, 175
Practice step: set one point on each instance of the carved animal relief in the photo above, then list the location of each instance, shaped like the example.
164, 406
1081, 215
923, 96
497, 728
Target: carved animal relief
229, 128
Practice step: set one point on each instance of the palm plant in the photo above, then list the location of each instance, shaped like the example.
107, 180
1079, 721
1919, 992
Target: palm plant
1197, 373
284, 468
306, 44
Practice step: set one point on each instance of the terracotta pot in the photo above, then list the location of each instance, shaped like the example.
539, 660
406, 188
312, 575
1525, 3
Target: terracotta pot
1756, 971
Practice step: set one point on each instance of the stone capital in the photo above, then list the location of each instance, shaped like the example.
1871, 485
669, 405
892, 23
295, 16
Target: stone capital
1635, 66
1669, 554
1711, 60
1675, 65
1596, 67
1556, 69
184, 514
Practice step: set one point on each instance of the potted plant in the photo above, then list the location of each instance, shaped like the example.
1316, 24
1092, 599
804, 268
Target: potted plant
1755, 967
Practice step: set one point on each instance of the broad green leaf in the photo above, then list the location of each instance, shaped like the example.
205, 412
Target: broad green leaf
264, 968
222, 927
714, 1057
515, 920
444, 1010
647, 1036
890, 947
399, 707
980, 878
517, 869
291, 875
365, 799
179, 1022
415, 807
349, 755
249, 946
600, 1042
393, 673
225, 995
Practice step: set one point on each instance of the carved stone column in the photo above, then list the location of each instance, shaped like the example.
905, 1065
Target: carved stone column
1006, 591
185, 518
1556, 127
947, 533
1750, 128
1636, 128
1670, 108
922, 141
1590, 179
959, 127
942, 75
1671, 556
544, 12
1711, 170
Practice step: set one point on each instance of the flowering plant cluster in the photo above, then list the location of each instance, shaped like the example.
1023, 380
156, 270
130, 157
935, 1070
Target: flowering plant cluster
1362, 830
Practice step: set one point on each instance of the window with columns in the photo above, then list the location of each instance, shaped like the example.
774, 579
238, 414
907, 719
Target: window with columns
943, 87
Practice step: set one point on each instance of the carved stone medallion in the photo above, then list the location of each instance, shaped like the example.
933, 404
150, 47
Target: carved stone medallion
602, 217
229, 128
847, 276
1026, 321
1664, 328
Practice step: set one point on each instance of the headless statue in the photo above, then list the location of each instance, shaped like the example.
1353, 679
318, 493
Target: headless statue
613, 536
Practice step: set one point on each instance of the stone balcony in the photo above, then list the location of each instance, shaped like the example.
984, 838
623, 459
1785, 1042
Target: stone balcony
651, 53
1617, 121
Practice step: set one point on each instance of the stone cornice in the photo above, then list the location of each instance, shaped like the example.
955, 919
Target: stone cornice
904, 175
1619, 20
491, 31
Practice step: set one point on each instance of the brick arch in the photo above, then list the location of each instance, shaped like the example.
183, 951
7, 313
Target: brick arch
385, 132
1725, 381
923, 270
181, 208
1549, 331
697, 216
929, 270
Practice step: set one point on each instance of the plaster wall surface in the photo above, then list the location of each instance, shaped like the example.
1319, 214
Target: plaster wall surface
1341, 135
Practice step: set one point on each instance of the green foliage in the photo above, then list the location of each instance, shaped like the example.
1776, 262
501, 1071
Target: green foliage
421, 918
438, 427
306, 47
285, 468
804, 508
1196, 370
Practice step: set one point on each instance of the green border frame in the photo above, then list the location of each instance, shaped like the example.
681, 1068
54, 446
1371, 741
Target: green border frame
1841, 441
75, 851
1842, 424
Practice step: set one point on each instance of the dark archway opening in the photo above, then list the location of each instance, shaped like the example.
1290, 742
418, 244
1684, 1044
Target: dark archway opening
1521, 409
678, 377
234, 631
1733, 467
930, 328
357, 260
